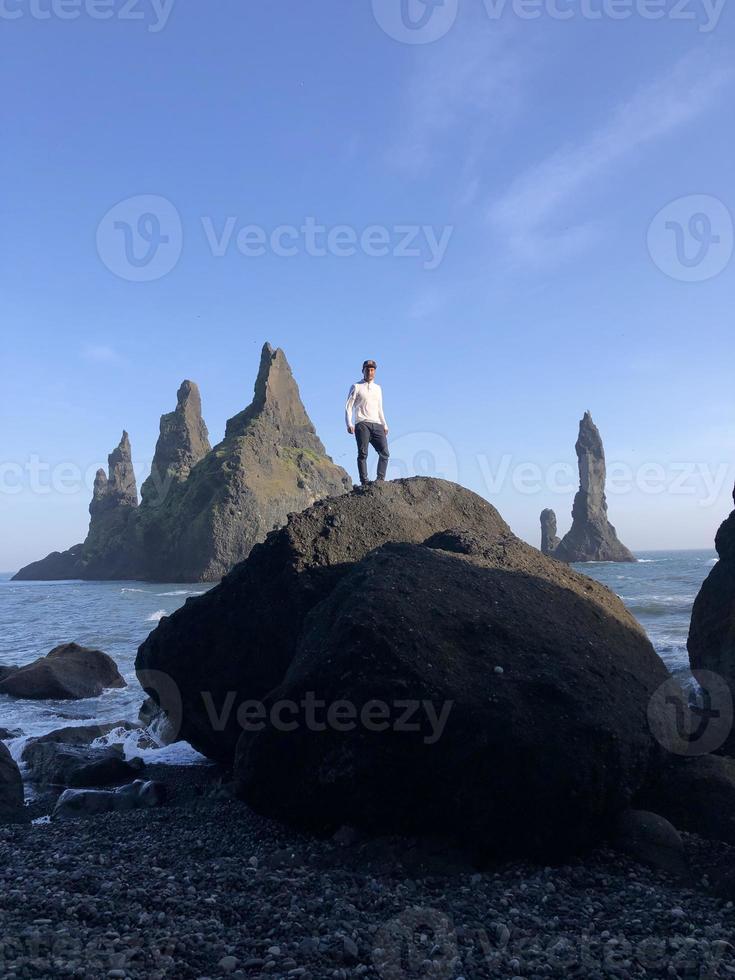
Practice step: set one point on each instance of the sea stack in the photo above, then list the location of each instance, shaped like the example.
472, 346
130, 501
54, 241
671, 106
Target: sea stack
110, 549
203, 509
182, 442
591, 537
549, 540
711, 641
271, 462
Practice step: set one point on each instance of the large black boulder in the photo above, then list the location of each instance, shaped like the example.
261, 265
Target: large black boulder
11, 790
236, 641
542, 677
67, 672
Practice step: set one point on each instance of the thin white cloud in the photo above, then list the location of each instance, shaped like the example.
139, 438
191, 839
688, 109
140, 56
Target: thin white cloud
525, 214
459, 87
101, 354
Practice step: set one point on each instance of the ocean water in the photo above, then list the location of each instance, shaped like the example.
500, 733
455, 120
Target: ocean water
117, 616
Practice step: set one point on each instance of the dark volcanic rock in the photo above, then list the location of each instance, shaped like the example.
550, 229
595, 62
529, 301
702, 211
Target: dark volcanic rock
236, 642
69, 671
696, 793
11, 790
542, 678
203, 509
591, 537
270, 463
90, 802
182, 442
82, 734
711, 641
110, 550
549, 540
58, 764
652, 840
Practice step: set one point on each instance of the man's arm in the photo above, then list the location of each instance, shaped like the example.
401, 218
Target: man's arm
380, 411
348, 408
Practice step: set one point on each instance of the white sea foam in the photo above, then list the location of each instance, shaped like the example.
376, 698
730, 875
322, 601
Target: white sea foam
132, 590
157, 616
179, 592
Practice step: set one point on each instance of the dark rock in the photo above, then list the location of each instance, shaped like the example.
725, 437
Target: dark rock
711, 641
236, 642
203, 509
7, 733
69, 671
11, 790
82, 734
75, 803
652, 840
7, 669
549, 539
696, 793
592, 537
110, 550
57, 764
182, 442
542, 679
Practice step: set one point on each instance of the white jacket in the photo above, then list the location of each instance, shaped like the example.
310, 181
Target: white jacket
366, 399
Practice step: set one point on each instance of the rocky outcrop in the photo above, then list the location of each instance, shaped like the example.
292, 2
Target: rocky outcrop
549, 540
110, 550
465, 687
711, 641
236, 642
11, 790
140, 794
183, 440
203, 509
537, 679
696, 793
652, 840
60, 764
270, 463
591, 537
69, 672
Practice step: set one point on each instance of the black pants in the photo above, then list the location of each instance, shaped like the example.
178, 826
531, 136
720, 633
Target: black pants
373, 434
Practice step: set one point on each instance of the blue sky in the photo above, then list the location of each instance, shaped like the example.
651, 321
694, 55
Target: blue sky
563, 188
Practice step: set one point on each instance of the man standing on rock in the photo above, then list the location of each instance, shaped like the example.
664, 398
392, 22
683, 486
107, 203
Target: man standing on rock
370, 428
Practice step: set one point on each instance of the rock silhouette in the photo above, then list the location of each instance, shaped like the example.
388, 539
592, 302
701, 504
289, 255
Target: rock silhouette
68, 672
202, 509
711, 641
591, 537
549, 539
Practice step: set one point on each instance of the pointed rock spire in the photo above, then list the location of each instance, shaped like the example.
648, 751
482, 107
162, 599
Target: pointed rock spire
592, 537
277, 401
183, 440
549, 540
118, 488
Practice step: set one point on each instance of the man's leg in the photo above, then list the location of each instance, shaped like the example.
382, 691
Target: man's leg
379, 442
362, 435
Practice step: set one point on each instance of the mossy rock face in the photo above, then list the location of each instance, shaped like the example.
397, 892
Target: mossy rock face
203, 509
